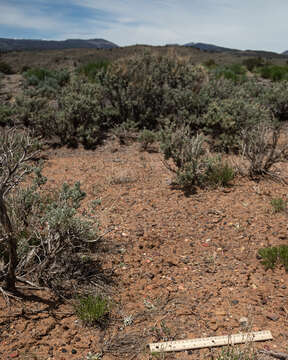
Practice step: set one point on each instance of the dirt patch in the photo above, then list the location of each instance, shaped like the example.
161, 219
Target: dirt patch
184, 266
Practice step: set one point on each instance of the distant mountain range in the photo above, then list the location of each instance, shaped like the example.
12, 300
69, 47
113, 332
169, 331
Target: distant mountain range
209, 47
23, 44
220, 49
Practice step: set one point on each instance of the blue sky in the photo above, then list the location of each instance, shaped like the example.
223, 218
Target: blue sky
242, 24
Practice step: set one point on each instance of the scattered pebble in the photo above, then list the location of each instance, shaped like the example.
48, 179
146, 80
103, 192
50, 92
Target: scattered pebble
234, 302
243, 321
272, 317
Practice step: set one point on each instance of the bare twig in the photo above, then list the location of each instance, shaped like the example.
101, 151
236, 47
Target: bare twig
277, 355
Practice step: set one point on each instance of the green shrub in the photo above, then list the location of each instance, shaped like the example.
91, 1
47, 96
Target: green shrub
6, 115
51, 236
147, 138
6, 68
252, 63
218, 173
186, 152
274, 72
210, 63
271, 255
81, 117
91, 70
37, 114
47, 81
275, 98
260, 146
144, 88
224, 121
278, 205
191, 164
234, 72
93, 310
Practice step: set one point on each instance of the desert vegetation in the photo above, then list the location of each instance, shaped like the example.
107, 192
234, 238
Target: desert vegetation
211, 124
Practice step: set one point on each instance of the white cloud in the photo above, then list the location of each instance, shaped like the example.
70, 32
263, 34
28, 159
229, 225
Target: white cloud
257, 24
17, 17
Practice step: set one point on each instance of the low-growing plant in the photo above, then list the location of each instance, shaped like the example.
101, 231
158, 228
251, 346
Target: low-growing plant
147, 138
278, 205
6, 115
47, 82
234, 72
275, 98
44, 235
91, 70
252, 63
270, 256
37, 114
236, 353
93, 310
225, 120
218, 173
81, 118
6, 68
186, 151
126, 132
274, 72
260, 146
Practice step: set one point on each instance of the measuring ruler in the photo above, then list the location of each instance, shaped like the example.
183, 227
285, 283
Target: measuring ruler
210, 341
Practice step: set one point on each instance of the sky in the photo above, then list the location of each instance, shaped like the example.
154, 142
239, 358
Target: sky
239, 24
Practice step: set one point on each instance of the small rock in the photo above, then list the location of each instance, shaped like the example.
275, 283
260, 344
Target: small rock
214, 327
186, 260
272, 317
150, 276
243, 321
283, 287
234, 302
13, 355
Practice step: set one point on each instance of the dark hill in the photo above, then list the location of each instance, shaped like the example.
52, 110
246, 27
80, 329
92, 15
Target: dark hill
23, 44
209, 47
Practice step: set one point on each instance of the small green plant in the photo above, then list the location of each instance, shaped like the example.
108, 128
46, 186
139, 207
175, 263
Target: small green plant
5, 68
210, 63
274, 72
236, 353
186, 151
218, 173
93, 310
234, 72
252, 63
278, 205
146, 139
91, 70
47, 82
6, 115
271, 255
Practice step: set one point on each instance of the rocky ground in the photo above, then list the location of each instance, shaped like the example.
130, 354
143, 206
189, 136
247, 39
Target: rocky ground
182, 266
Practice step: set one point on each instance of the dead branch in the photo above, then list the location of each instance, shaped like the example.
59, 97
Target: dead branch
277, 355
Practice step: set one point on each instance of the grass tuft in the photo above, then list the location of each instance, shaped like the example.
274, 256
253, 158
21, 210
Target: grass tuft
93, 310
